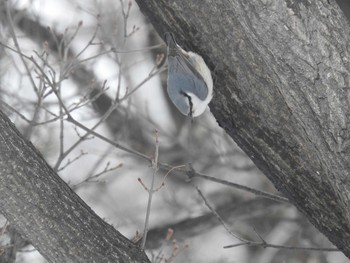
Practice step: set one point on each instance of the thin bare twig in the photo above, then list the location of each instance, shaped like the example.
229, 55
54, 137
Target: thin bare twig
219, 217
151, 190
70, 161
92, 178
192, 173
150, 75
18, 48
125, 18
264, 244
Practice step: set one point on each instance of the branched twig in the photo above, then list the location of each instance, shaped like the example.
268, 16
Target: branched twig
92, 178
76, 60
191, 173
166, 175
91, 131
125, 18
151, 190
53, 85
219, 217
69, 161
117, 145
150, 75
264, 244
18, 49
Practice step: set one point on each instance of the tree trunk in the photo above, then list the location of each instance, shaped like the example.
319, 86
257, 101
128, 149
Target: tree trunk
42, 207
281, 92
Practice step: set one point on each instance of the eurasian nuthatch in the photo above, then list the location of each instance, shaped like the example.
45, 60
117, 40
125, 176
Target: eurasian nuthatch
190, 85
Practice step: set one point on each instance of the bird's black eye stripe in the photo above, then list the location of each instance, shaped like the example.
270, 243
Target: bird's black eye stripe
189, 101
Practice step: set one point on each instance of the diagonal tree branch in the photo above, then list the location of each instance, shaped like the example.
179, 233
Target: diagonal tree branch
56, 221
281, 92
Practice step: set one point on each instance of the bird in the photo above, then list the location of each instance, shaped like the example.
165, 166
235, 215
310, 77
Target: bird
189, 84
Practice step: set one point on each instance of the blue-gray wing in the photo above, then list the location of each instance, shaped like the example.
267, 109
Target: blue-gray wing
183, 77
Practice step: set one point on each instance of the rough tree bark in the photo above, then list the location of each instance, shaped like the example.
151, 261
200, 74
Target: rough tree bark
281, 92
43, 208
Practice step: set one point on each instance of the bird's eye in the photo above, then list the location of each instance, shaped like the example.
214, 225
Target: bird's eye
190, 114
